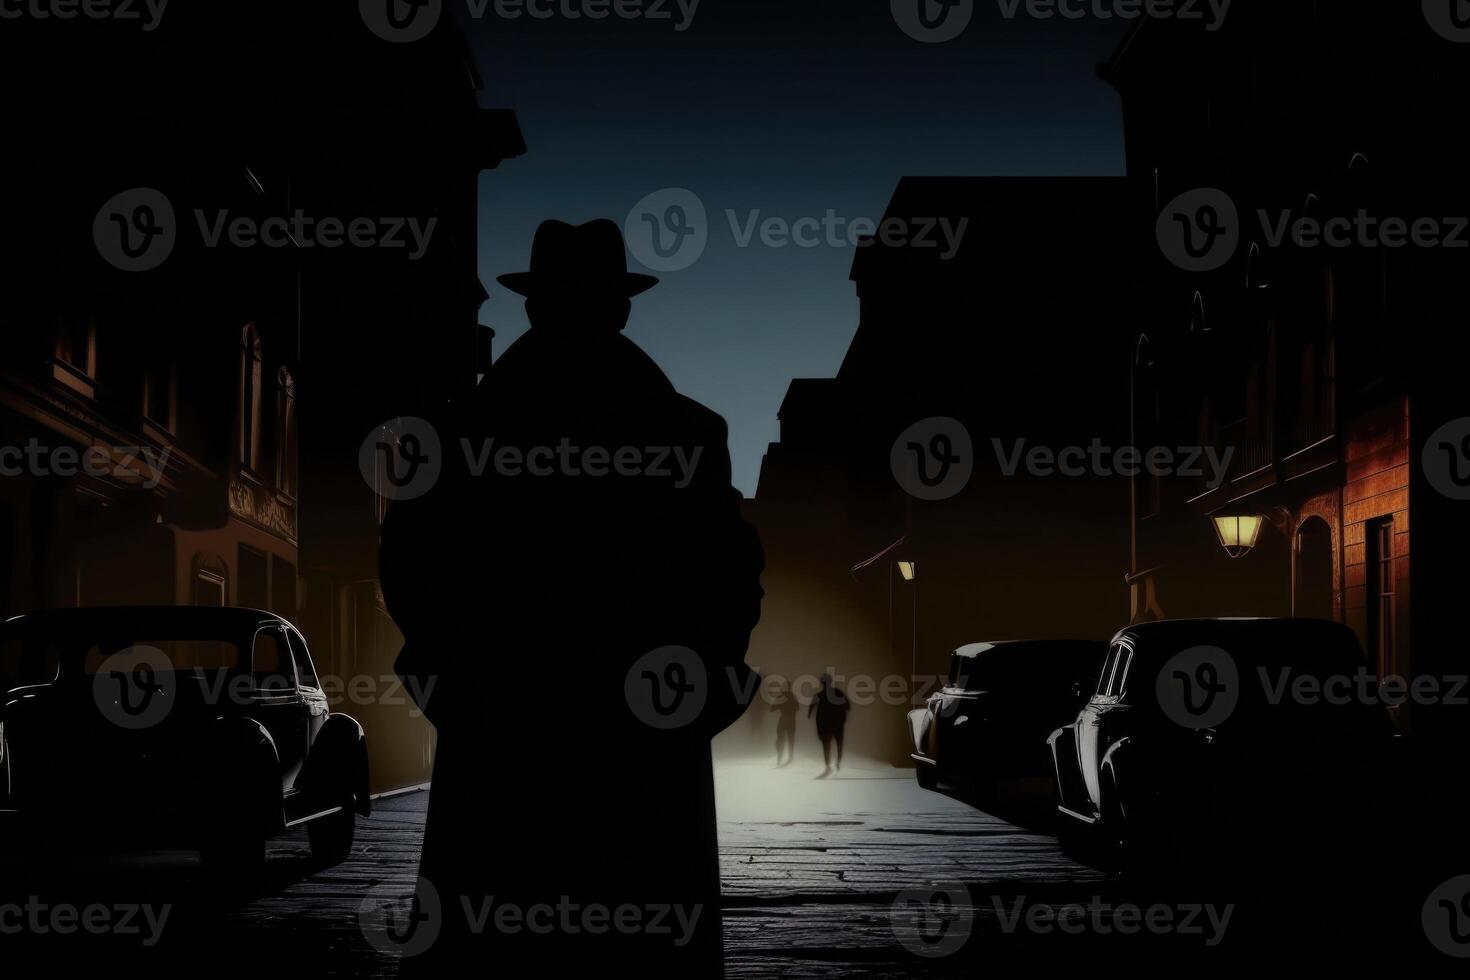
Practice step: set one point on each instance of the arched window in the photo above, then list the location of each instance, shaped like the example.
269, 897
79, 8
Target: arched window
1314, 583
250, 400
1257, 274
286, 432
1197, 322
210, 580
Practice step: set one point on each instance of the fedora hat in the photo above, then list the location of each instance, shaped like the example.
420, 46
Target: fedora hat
577, 257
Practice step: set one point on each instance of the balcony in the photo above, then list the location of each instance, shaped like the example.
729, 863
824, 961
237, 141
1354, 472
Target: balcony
1249, 451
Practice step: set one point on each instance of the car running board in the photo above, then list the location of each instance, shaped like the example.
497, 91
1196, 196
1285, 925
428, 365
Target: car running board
1078, 816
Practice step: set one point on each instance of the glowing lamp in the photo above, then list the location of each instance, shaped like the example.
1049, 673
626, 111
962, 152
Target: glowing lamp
1238, 533
908, 570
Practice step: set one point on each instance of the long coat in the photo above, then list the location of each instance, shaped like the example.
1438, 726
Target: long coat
524, 601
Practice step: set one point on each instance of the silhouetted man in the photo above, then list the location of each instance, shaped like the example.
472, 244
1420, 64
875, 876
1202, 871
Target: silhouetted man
783, 703
602, 541
830, 707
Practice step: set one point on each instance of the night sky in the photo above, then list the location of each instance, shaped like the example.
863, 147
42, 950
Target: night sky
786, 107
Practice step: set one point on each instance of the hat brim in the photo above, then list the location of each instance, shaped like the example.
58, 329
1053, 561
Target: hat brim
528, 283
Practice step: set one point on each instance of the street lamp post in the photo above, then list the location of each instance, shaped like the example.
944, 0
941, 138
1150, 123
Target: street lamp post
910, 572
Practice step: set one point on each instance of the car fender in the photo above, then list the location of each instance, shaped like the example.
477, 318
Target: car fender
1119, 751
919, 721
1067, 767
248, 762
340, 750
1063, 745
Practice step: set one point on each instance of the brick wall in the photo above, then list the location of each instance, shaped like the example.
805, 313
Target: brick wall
1376, 492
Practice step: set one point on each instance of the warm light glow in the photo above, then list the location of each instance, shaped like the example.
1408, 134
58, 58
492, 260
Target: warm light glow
907, 569
1238, 533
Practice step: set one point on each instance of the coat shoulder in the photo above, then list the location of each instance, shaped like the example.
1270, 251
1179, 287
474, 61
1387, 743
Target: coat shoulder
701, 418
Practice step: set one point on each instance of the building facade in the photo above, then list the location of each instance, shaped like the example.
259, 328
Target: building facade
251, 369
1316, 361
981, 337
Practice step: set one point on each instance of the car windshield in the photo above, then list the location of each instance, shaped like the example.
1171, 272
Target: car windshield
37, 656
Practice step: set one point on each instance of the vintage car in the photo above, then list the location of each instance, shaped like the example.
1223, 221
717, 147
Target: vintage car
990, 720
177, 724
1243, 732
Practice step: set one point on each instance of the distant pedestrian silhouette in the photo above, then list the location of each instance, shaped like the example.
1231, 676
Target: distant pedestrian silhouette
830, 707
783, 703
602, 528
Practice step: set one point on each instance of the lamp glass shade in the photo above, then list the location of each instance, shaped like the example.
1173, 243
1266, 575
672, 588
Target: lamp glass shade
1239, 533
908, 569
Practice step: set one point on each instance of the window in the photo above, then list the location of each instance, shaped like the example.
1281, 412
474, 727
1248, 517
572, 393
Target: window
1125, 665
253, 591
286, 434
250, 406
209, 589
76, 342
211, 576
1382, 599
159, 394
299, 653
271, 665
1104, 679
28, 658
283, 588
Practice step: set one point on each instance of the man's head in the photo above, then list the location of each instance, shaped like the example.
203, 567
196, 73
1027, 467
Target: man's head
592, 313
579, 279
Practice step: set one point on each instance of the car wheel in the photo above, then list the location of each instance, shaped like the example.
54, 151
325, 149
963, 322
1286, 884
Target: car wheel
928, 778
331, 837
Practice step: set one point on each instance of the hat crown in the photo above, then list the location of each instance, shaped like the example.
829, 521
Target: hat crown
591, 254
594, 250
